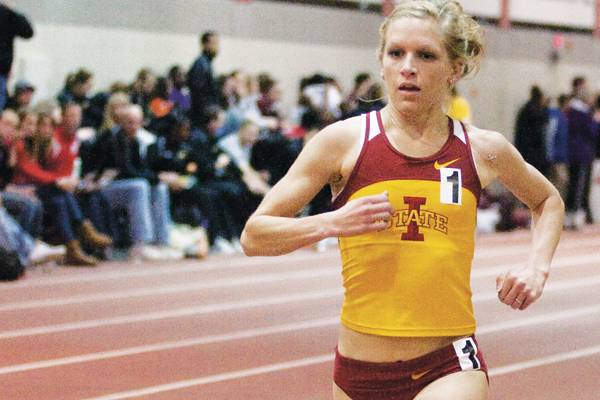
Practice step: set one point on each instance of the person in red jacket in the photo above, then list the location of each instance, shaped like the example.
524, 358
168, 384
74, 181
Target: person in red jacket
48, 164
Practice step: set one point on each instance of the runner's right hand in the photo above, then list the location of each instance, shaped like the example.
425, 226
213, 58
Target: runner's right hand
367, 214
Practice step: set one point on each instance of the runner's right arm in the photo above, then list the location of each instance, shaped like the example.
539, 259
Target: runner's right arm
273, 229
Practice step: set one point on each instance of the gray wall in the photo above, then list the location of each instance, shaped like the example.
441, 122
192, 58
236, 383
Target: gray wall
116, 37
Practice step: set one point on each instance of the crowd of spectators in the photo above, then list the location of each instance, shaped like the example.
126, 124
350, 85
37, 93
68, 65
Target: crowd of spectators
165, 160
561, 138
172, 166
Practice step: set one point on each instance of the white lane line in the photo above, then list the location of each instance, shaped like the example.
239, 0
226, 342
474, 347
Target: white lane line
330, 271
237, 335
245, 263
181, 312
540, 362
243, 304
266, 369
170, 289
152, 270
275, 329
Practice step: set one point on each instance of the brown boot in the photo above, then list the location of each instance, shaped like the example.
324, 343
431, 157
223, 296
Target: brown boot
91, 236
76, 256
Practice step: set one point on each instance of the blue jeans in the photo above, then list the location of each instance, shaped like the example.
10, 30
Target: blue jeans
27, 211
62, 210
147, 208
12, 237
3, 98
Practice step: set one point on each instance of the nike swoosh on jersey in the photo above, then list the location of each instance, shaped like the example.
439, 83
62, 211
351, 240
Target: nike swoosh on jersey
437, 165
416, 376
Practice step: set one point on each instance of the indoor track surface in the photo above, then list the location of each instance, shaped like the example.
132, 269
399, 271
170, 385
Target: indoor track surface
235, 327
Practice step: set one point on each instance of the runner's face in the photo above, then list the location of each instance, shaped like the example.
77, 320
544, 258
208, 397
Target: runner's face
415, 65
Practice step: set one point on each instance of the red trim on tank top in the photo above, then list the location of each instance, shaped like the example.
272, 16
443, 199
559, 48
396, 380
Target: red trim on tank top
427, 158
342, 193
472, 160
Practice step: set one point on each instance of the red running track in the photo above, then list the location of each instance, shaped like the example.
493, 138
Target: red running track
265, 328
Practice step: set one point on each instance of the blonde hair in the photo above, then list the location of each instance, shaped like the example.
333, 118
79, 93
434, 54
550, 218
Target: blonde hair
463, 36
115, 100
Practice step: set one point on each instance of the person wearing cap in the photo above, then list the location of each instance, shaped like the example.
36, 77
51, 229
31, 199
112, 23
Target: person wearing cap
12, 24
21, 98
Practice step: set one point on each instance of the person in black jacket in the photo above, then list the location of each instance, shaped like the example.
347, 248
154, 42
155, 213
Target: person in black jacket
530, 130
200, 78
12, 24
217, 171
174, 158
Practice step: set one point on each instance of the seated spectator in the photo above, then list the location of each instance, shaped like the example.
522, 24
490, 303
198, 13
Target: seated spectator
239, 147
350, 105
21, 202
20, 101
216, 170
30, 251
56, 185
160, 107
180, 94
136, 189
78, 87
141, 90
175, 159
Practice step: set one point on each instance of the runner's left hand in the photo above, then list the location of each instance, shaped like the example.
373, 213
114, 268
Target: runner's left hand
519, 288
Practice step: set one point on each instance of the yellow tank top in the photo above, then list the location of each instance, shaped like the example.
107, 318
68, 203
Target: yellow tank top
412, 279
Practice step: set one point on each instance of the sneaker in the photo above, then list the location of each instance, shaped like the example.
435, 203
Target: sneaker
237, 245
579, 219
169, 253
223, 246
43, 253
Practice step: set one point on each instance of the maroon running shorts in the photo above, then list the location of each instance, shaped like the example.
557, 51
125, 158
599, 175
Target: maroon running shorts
403, 380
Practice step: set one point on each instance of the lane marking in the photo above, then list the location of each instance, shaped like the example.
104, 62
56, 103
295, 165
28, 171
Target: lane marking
243, 304
245, 263
275, 329
539, 362
181, 312
266, 369
559, 263
170, 289
210, 339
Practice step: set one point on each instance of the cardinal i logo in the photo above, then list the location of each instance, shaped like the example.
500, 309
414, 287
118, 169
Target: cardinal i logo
414, 218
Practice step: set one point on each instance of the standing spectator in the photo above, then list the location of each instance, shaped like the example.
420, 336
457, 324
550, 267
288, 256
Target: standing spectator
557, 146
200, 78
583, 133
530, 128
12, 24
21, 98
